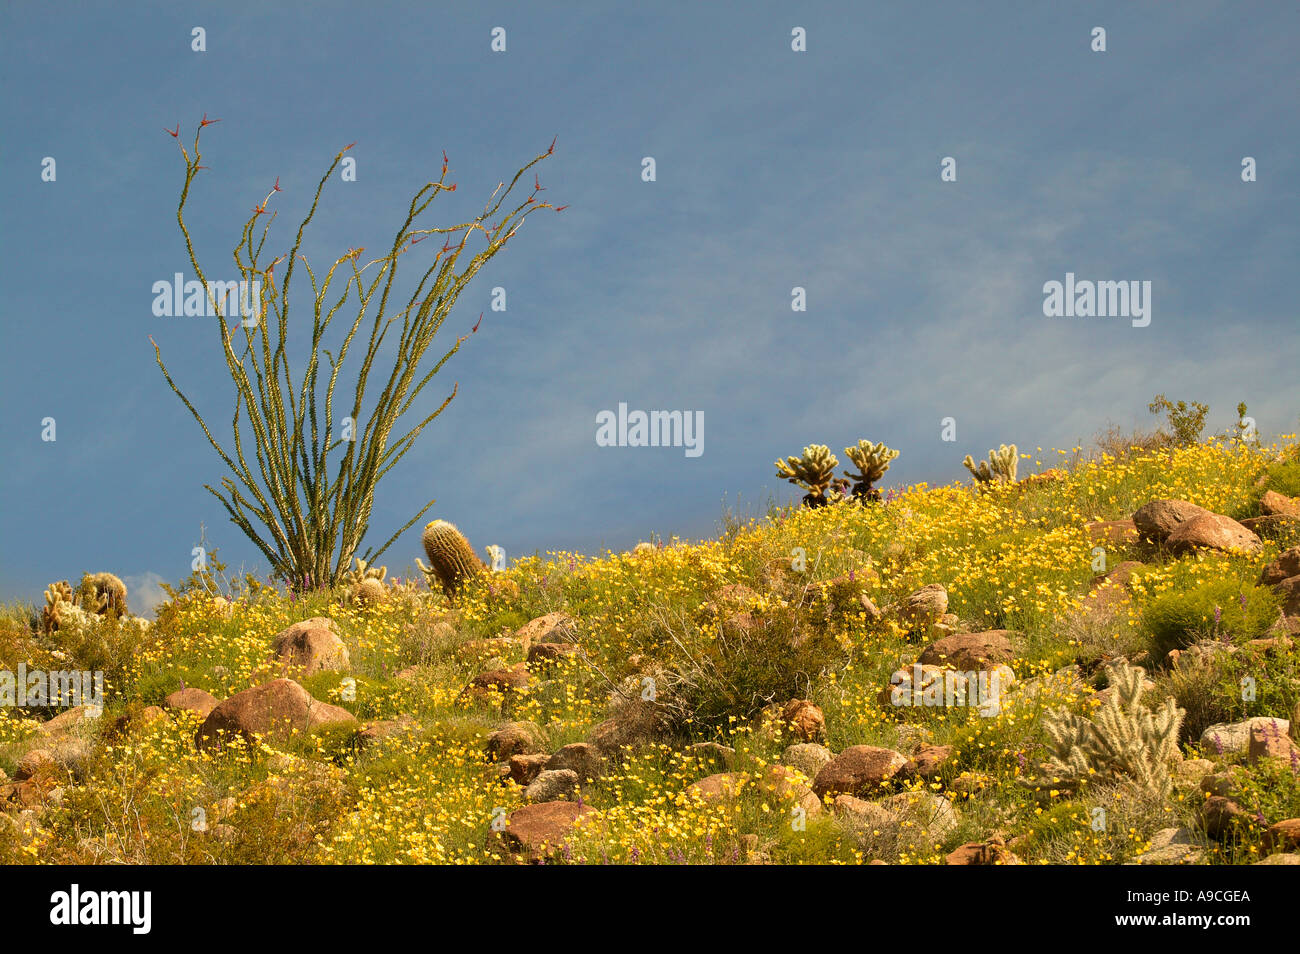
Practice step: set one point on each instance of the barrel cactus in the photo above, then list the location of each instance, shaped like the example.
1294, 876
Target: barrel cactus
871, 460
452, 561
814, 472
365, 584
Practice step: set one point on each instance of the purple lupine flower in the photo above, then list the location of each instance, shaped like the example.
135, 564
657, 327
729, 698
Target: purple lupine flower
1218, 744
636, 854
1242, 598
1218, 616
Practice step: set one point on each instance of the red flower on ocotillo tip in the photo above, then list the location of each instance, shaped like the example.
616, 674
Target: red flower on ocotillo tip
259, 209
445, 160
552, 149
561, 208
207, 122
349, 145
276, 187
474, 330
537, 184
175, 134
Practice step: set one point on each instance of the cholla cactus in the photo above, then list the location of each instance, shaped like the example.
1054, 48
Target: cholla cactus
814, 471
452, 560
1123, 738
496, 557
58, 597
102, 594
871, 460
1000, 467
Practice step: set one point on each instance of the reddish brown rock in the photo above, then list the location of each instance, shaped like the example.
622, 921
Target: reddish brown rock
926, 762
1115, 532
992, 852
1269, 740
1289, 590
722, 787
1158, 519
805, 720
858, 770
499, 681
582, 758
551, 628
192, 700
541, 829
970, 652
514, 738
1212, 531
1274, 504
1284, 835
549, 652
1284, 567
309, 647
274, 710
524, 768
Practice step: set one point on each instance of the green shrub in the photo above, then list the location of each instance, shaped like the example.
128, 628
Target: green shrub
1228, 610
1284, 478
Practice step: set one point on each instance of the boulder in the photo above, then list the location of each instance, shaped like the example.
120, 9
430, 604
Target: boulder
1213, 531
926, 762
1115, 532
523, 769
1173, 846
275, 710
551, 628
1285, 566
1284, 835
807, 757
515, 738
1158, 519
970, 652
991, 852
858, 770
551, 785
1289, 590
1274, 504
805, 720
582, 758
192, 700
1227, 737
922, 608
542, 829
722, 787
311, 646
1268, 740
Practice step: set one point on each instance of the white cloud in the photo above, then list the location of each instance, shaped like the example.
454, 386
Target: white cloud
144, 592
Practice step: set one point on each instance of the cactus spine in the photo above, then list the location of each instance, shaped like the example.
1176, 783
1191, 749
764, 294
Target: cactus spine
451, 559
871, 460
1000, 467
814, 471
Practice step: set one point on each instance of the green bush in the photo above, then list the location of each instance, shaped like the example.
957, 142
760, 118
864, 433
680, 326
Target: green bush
1227, 610
1285, 478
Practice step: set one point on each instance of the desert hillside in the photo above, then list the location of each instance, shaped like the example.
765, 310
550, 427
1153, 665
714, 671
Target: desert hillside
1092, 664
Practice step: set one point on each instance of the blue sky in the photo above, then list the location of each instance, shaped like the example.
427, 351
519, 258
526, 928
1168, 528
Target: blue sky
775, 169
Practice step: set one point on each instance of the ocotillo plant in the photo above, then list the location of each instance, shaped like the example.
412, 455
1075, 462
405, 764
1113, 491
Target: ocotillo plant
871, 460
814, 472
307, 523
